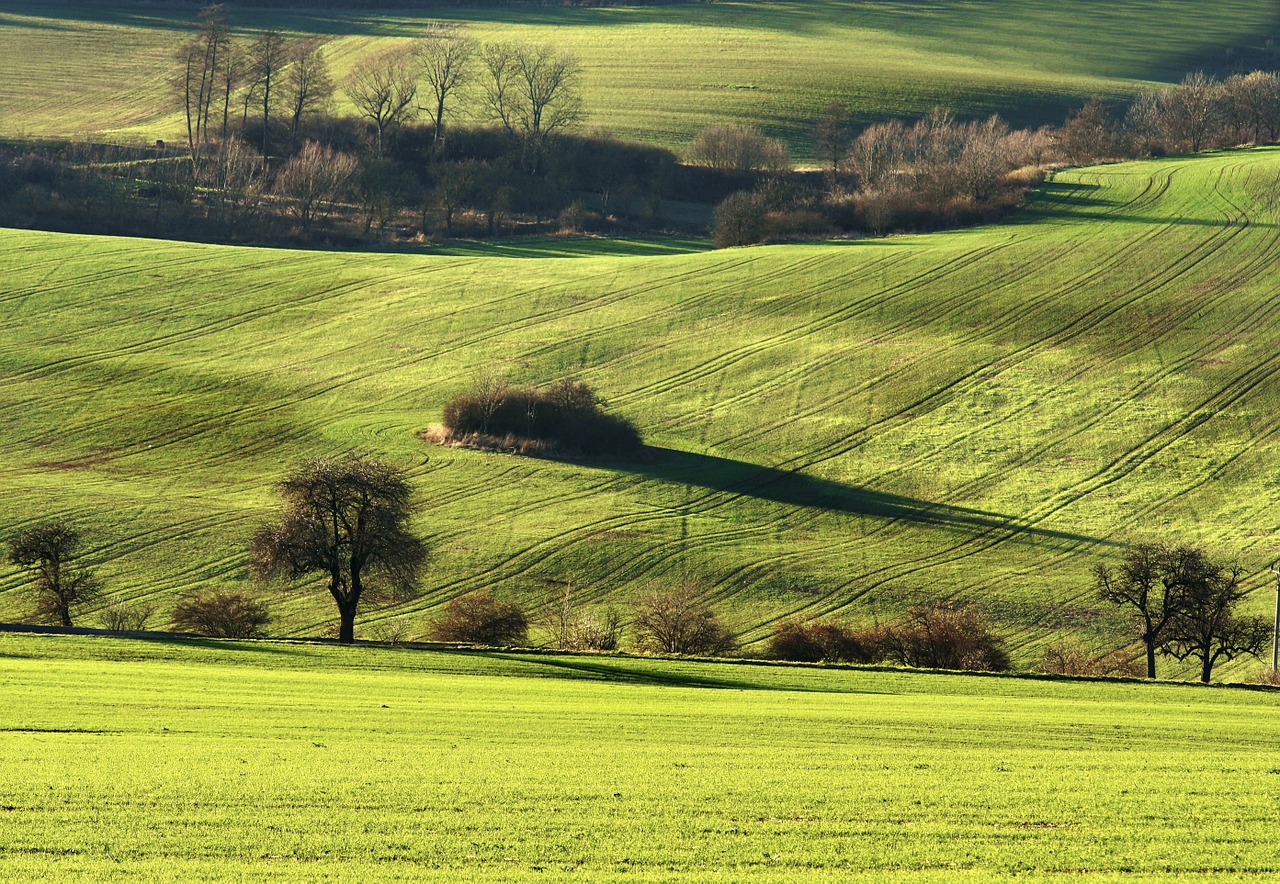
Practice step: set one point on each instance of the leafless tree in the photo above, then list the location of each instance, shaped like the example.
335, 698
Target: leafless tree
202, 61
383, 89
736, 147
1205, 626
676, 621
532, 90
1191, 113
268, 57
45, 550
1089, 133
308, 86
446, 58
1145, 581
832, 136
313, 179
347, 519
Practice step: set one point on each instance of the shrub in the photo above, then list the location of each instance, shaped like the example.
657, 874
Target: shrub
674, 621
221, 614
738, 221
479, 618
827, 641
567, 417
945, 636
119, 617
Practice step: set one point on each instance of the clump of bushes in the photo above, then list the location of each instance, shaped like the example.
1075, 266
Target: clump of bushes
479, 618
945, 635
936, 636
566, 418
676, 621
824, 642
221, 614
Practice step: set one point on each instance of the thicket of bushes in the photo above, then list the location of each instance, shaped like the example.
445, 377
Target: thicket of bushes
935, 636
566, 418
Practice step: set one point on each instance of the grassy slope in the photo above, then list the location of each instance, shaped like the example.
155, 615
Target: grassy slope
74, 68
305, 763
978, 413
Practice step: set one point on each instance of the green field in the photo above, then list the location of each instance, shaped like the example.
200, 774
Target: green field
840, 428
69, 69
127, 760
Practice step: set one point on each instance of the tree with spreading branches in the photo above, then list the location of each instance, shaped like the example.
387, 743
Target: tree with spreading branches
346, 518
45, 550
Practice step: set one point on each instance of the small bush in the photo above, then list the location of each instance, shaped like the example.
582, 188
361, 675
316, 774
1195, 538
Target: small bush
945, 636
1268, 676
674, 621
1067, 657
593, 632
120, 617
479, 618
566, 417
221, 614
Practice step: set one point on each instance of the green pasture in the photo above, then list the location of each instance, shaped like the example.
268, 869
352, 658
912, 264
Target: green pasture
836, 429
213, 761
660, 73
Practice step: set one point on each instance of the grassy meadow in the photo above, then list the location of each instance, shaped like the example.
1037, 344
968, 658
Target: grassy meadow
837, 429
217, 761
79, 68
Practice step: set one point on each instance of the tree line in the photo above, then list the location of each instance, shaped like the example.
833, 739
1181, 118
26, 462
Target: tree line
454, 136
346, 521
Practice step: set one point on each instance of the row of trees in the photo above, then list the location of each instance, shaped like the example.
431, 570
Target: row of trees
346, 519
531, 91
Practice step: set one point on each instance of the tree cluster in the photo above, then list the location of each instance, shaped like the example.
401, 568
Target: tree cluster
1184, 603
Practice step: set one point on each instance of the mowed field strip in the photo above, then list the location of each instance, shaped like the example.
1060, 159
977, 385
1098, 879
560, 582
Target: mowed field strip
216, 761
77, 69
840, 429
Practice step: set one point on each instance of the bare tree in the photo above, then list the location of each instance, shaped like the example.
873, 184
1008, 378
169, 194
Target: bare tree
1089, 133
736, 147
45, 551
532, 90
202, 63
675, 621
1146, 582
307, 83
383, 89
345, 518
313, 180
1191, 113
832, 136
268, 57
445, 56
1205, 626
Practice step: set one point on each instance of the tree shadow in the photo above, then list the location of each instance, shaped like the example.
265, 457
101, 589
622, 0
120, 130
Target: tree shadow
638, 671
792, 488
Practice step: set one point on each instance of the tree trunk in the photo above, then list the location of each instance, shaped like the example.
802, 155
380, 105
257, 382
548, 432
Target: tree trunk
347, 625
65, 613
1206, 667
1151, 660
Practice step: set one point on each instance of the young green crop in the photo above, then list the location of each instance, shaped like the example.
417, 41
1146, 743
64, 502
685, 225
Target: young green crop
219, 761
661, 73
839, 429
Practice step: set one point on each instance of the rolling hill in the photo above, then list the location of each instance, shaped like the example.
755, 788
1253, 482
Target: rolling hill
80, 69
836, 428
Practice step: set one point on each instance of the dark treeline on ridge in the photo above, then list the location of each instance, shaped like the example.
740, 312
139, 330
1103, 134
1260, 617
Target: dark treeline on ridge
448, 136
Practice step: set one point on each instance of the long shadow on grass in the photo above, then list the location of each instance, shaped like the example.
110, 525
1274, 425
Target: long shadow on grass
630, 672
739, 478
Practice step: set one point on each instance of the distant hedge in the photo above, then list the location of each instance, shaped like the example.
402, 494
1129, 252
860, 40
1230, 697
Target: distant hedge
566, 418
